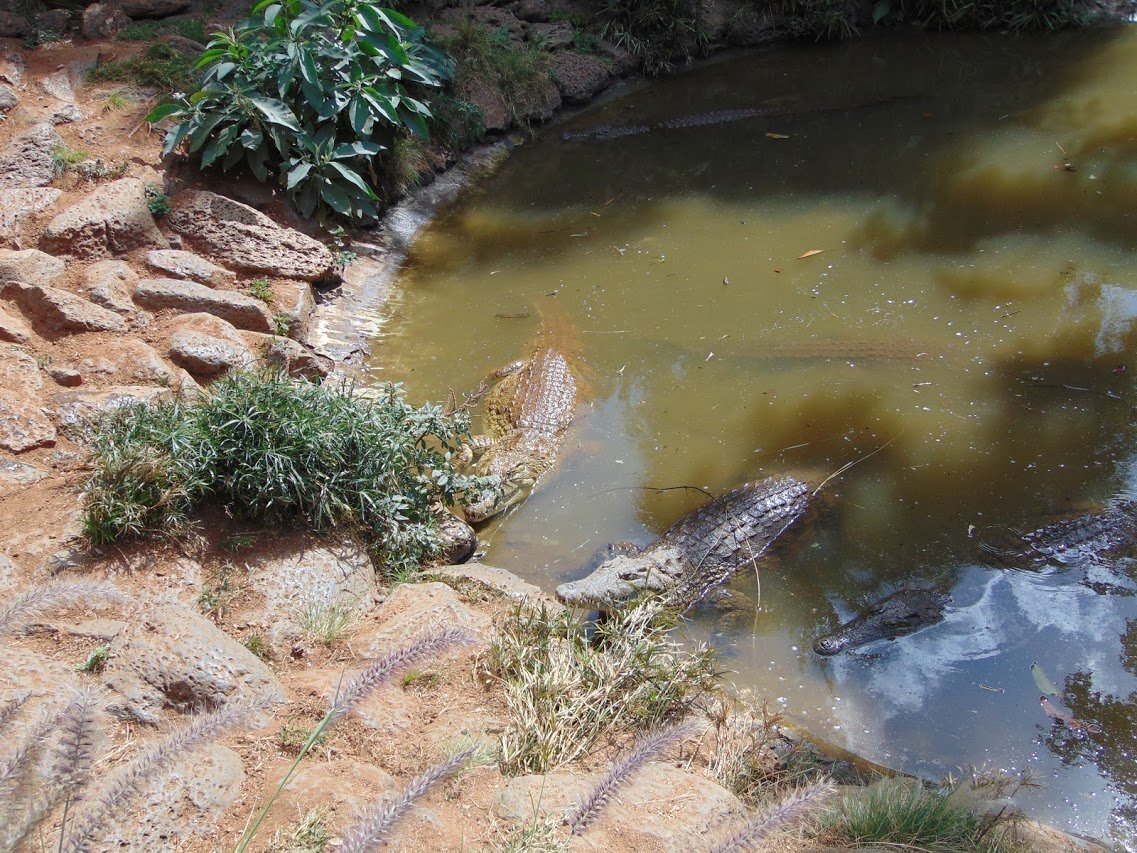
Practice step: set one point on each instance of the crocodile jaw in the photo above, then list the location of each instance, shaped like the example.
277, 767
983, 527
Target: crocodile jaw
489, 504
618, 582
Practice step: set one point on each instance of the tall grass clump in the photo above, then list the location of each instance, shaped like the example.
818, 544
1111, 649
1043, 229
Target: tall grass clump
906, 814
657, 33
274, 450
565, 689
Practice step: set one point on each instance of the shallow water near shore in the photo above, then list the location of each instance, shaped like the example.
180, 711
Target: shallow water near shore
966, 331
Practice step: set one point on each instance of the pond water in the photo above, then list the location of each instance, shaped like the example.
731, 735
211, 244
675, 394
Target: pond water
966, 332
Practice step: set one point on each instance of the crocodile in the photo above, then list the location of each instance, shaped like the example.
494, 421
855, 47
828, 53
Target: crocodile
527, 415
898, 615
698, 552
1071, 540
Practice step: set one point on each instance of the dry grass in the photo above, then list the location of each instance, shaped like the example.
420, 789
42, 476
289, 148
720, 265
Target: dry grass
328, 622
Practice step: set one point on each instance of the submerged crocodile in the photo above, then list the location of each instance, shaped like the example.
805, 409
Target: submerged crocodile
898, 615
527, 414
698, 552
1070, 541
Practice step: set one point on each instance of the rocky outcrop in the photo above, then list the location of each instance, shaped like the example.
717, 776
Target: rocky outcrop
580, 77
110, 285
27, 160
130, 362
244, 312
57, 312
112, 220
24, 424
30, 265
18, 205
208, 347
244, 239
172, 658
186, 265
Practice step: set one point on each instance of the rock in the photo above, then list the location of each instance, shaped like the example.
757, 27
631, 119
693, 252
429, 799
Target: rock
74, 407
58, 85
242, 311
619, 60
458, 538
53, 21
27, 672
491, 104
112, 220
660, 808
56, 312
187, 265
13, 329
66, 114
555, 36
294, 300
24, 423
499, 579
154, 8
110, 284
16, 205
296, 572
13, 25
103, 20
342, 786
243, 239
131, 362
533, 10
14, 476
8, 98
174, 658
30, 266
27, 160
297, 360
541, 101
414, 609
579, 77
206, 356
185, 800
68, 377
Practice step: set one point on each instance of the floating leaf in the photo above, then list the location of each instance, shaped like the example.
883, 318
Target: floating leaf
810, 253
1044, 683
773, 135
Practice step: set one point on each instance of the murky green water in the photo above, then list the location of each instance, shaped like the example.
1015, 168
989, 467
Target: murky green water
969, 323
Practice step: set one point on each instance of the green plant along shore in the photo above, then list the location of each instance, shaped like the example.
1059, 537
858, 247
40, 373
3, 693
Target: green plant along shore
274, 450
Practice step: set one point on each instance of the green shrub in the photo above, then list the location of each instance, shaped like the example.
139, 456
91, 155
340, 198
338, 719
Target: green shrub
309, 94
818, 19
275, 450
1015, 15
157, 200
655, 32
457, 123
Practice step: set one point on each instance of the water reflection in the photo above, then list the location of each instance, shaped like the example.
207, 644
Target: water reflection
965, 337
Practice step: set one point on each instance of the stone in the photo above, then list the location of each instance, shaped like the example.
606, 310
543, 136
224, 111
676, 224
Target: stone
53, 21
502, 580
58, 85
8, 98
186, 265
154, 8
30, 266
292, 573
112, 220
186, 800
294, 300
17, 205
341, 786
295, 359
24, 423
103, 20
206, 356
661, 807
68, 377
13, 25
110, 284
172, 658
459, 541
15, 476
12, 66
244, 312
25, 671
130, 362
75, 406
13, 329
246, 240
66, 114
539, 102
555, 36
414, 609
490, 103
533, 10
27, 160
579, 77
57, 312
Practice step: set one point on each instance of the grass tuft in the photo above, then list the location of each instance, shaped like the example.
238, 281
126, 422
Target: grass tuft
309, 834
327, 623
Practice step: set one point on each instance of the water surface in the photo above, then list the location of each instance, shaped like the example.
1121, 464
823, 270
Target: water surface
966, 332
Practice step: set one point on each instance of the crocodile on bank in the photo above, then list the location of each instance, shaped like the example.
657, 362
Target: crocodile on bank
698, 552
527, 415
898, 615
1069, 541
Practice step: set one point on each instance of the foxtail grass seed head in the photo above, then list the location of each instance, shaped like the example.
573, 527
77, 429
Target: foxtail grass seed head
763, 825
27, 605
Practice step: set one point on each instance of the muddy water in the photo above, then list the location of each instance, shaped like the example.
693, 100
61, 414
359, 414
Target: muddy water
966, 331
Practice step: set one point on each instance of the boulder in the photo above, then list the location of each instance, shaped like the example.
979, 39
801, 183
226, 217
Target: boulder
294, 300
154, 8
112, 220
110, 284
12, 66
417, 608
244, 312
128, 361
75, 406
341, 786
53, 21
187, 265
24, 423
186, 800
66, 114
541, 101
502, 580
28, 672
490, 103
458, 538
554, 36
8, 98
103, 20
17, 205
65, 375
59, 86
579, 77
13, 329
295, 359
30, 266
661, 807
298, 572
173, 658
27, 160
244, 239
57, 312
13, 25
207, 356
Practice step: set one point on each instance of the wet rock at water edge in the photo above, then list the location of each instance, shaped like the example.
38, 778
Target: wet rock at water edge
246, 240
459, 541
295, 359
580, 77
52, 311
112, 220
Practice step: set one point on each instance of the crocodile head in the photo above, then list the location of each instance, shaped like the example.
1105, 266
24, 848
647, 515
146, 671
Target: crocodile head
898, 615
621, 580
515, 487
